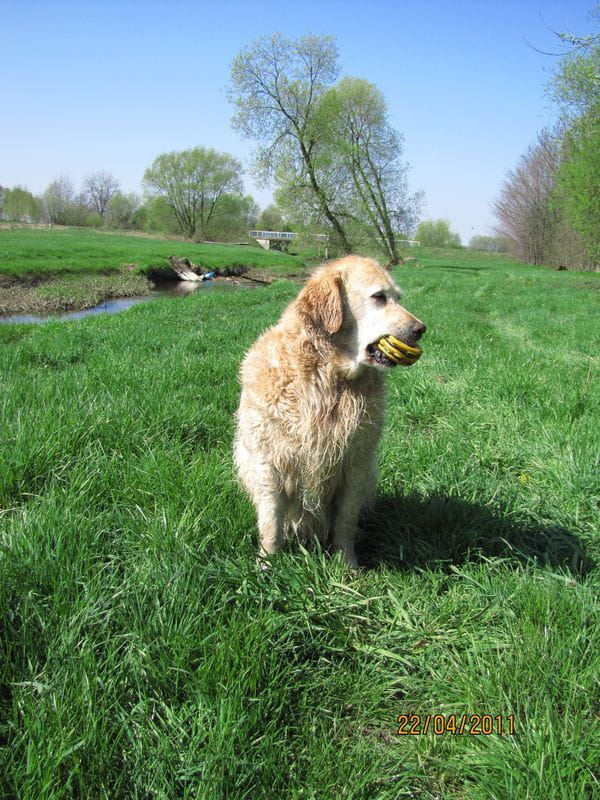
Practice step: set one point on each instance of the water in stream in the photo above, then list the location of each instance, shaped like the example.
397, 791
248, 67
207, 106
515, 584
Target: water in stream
163, 289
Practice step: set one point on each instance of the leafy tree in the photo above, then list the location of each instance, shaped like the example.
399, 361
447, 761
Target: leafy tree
121, 210
158, 216
437, 233
366, 153
98, 190
20, 205
578, 179
575, 86
270, 219
330, 148
192, 184
237, 214
90, 220
277, 85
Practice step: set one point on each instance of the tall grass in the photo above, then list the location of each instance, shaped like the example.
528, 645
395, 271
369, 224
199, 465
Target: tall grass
142, 653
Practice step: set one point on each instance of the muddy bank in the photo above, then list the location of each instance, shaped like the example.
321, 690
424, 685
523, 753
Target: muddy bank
34, 294
40, 294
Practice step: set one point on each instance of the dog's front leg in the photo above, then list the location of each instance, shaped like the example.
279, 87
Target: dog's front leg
269, 510
350, 498
261, 483
344, 532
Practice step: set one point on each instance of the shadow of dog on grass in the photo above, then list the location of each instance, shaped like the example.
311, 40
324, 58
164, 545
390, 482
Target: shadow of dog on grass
406, 531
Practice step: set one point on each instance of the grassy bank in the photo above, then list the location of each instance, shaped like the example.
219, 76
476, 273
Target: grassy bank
43, 270
51, 251
143, 655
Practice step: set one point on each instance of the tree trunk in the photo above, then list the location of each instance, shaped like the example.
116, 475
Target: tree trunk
337, 226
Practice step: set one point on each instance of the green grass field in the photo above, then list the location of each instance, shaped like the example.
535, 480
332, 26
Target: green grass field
46, 252
143, 655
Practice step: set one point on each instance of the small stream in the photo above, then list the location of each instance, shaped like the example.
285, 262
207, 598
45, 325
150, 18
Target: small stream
162, 289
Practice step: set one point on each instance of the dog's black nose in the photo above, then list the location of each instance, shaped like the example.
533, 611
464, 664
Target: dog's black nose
418, 329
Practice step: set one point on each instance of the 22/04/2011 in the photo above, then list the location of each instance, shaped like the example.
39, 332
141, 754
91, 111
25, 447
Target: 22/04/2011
455, 724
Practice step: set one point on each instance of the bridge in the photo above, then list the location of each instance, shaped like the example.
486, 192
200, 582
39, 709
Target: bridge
264, 238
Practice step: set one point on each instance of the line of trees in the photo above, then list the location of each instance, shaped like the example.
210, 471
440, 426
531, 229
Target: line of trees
327, 144
548, 208
197, 193
99, 202
336, 163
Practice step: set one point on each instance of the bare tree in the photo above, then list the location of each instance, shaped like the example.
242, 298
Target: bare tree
60, 202
98, 190
526, 214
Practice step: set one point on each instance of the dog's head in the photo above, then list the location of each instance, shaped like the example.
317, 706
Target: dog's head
354, 303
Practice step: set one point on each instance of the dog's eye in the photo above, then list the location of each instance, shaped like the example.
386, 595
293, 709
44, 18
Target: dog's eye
380, 298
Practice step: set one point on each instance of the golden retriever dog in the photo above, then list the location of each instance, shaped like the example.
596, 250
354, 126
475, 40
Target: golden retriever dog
312, 404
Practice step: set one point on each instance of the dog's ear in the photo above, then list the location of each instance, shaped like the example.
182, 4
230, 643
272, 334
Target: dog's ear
320, 303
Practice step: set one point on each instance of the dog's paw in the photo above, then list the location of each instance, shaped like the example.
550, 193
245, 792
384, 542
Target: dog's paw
263, 563
348, 556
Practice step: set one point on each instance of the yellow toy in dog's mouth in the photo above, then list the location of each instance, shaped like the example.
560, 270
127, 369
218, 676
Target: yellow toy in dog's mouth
396, 351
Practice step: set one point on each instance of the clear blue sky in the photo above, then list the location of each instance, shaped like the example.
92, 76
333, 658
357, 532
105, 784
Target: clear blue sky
110, 84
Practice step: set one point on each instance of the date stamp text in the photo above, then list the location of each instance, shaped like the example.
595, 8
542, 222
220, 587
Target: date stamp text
456, 724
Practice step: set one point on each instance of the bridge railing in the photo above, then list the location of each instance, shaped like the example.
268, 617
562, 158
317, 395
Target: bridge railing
287, 235
282, 235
